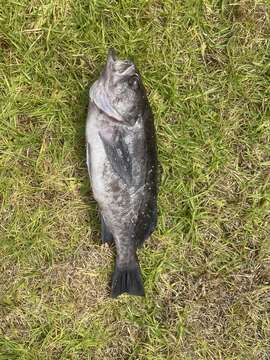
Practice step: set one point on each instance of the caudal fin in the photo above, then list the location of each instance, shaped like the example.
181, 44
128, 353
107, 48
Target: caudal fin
127, 280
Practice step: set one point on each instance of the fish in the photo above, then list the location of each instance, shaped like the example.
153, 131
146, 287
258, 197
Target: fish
122, 162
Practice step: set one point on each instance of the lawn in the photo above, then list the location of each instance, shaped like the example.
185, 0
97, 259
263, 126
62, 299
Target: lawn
206, 269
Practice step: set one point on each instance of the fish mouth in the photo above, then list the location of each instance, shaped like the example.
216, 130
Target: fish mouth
111, 55
122, 67
125, 67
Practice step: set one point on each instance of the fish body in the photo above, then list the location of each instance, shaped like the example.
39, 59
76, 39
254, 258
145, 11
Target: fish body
122, 165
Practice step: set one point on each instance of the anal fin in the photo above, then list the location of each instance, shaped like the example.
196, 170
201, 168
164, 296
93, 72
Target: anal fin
106, 235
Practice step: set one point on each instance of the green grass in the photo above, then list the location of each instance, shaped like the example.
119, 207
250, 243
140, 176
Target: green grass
206, 67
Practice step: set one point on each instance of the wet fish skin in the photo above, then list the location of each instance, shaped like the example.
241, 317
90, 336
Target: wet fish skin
122, 165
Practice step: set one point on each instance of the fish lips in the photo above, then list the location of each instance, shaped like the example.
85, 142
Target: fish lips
122, 67
111, 55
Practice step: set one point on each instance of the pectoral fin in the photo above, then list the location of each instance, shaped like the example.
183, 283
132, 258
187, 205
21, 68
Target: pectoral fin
118, 154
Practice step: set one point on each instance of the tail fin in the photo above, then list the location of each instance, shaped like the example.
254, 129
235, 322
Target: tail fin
127, 279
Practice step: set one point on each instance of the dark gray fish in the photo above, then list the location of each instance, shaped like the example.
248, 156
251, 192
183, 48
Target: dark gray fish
122, 165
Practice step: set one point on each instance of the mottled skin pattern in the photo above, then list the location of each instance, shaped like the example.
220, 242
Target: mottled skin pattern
122, 158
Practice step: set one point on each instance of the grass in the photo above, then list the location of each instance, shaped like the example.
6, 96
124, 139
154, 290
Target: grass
206, 66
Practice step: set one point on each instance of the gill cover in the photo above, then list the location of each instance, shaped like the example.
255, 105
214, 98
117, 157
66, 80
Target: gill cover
98, 92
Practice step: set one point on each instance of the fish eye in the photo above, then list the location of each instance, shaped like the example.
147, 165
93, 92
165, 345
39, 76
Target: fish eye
133, 81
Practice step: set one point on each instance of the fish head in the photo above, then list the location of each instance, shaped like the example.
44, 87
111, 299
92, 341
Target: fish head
122, 89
